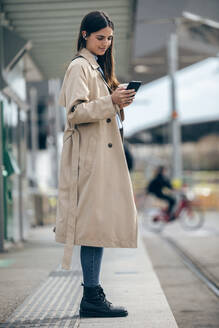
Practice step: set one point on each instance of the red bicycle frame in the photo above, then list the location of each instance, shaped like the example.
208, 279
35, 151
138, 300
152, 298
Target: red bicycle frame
183, 203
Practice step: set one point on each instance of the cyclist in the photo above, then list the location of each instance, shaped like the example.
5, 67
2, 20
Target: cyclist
156, 187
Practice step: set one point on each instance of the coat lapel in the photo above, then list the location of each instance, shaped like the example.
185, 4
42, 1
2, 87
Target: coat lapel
84, 52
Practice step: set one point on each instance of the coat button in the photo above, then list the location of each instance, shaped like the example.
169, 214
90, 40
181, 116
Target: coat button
110, 145
108, 120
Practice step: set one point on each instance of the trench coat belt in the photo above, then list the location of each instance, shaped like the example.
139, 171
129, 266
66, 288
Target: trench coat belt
72, 133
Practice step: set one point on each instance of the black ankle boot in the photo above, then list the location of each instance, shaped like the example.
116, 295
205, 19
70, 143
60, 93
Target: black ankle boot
95, 304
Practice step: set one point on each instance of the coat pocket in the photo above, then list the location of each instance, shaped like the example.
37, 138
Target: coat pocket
90, 154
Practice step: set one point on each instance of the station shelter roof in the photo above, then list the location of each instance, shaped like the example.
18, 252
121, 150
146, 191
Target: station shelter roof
197, 95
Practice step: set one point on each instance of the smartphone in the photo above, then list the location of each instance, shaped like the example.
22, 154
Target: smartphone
134, 85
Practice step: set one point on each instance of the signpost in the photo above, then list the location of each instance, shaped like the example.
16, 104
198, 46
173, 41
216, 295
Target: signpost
175, 125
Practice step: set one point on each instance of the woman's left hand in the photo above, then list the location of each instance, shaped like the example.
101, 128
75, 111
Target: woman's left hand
121, 106
125, 105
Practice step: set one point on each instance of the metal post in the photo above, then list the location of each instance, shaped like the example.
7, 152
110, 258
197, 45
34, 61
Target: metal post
20, 177
34, 133
54, 88
175, 125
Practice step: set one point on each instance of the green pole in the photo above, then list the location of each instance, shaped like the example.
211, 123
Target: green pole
2, 203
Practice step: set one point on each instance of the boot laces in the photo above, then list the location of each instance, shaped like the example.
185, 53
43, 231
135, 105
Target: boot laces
103, 296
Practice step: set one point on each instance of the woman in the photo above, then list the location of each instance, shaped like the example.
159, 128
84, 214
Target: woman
96, 206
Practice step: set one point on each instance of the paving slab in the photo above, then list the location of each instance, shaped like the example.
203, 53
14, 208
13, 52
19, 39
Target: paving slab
128, 279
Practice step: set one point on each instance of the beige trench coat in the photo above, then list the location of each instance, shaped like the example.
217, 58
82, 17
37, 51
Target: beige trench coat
95, 196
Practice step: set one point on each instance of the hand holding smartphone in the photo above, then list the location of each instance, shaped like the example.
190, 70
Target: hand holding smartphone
134, 85
126, 98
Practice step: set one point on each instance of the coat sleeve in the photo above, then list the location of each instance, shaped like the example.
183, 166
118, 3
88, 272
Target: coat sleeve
75, 98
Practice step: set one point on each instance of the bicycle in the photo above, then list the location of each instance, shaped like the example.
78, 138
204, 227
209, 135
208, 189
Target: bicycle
185, 211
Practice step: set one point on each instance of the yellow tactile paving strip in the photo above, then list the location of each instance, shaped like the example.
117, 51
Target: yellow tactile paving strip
54, 304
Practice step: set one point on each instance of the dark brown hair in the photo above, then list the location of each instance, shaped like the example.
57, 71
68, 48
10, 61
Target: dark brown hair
93, 22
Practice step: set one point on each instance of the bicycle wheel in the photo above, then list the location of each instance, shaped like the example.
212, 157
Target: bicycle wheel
191, 219
149, 220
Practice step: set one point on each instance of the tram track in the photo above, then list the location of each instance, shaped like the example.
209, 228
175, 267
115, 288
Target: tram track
193, 265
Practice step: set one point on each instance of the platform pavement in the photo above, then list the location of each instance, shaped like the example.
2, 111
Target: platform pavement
128, 279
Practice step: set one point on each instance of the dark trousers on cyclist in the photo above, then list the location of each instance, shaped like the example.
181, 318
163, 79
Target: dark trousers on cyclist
171, 202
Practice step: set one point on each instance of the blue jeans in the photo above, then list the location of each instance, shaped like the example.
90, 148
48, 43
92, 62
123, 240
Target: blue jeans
91, 258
